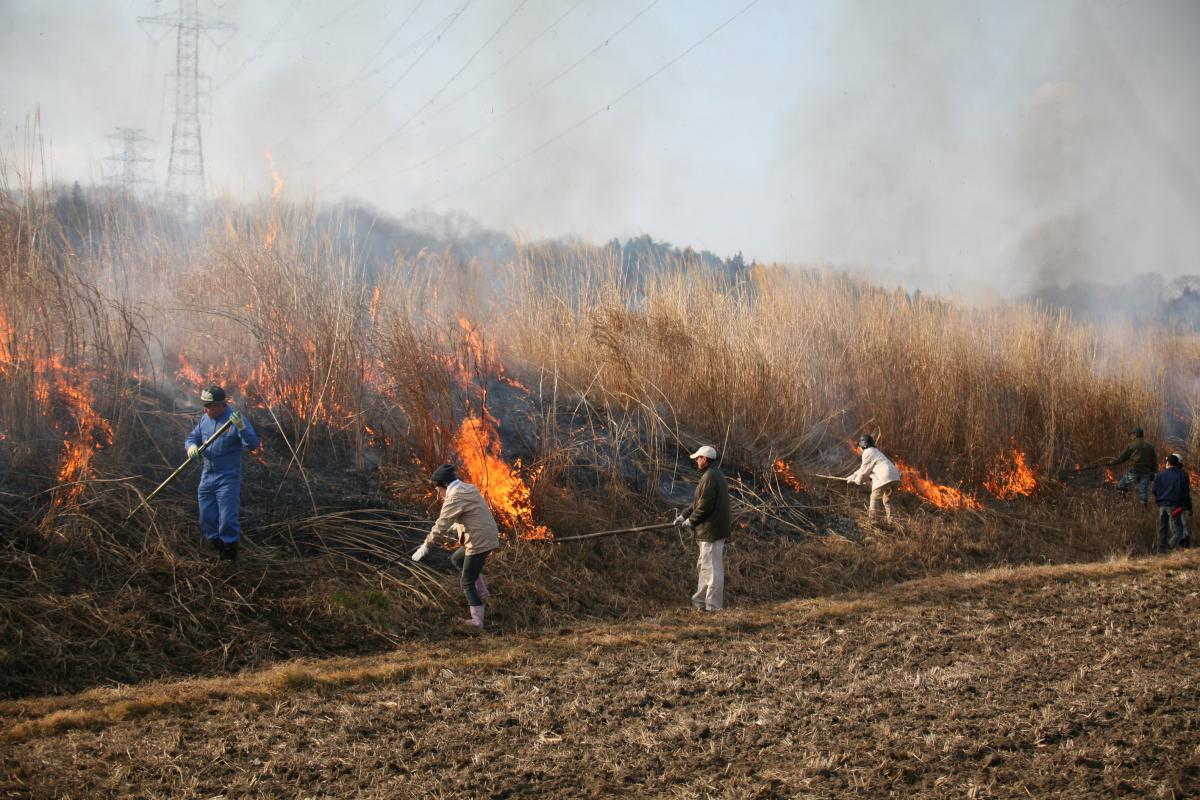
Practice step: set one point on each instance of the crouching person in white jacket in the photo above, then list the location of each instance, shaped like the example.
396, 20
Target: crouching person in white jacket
466, 515
885, 478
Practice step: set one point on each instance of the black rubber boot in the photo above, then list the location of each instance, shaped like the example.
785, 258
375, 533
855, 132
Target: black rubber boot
218, 546
229, 552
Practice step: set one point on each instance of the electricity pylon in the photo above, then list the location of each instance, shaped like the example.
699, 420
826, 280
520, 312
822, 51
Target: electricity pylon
129, 165
185, 170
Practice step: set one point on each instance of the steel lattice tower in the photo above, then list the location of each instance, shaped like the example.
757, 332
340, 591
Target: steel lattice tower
129, 171
185, 170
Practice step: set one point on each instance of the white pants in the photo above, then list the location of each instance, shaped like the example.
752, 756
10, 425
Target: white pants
710, 589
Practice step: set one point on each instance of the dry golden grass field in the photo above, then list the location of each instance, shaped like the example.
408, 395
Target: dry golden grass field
570, 384
1060, 681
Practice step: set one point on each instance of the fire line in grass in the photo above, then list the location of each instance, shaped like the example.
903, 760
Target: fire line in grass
1011, 476
478, 448
917, 482
786, 476
949, 497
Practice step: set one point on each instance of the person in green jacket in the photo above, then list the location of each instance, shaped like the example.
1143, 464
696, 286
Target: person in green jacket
710, 518
1143, 463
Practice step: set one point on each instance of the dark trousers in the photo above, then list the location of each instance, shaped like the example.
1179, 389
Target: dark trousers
1142, 481
1171, 532
471, 567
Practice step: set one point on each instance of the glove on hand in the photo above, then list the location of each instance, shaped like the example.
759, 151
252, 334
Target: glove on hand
851, 480
236, 418
420, 553
192, 452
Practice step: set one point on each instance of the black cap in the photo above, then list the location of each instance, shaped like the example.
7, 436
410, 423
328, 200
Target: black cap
443, 475
213, 394
1173, 460
1137, 433
866, 441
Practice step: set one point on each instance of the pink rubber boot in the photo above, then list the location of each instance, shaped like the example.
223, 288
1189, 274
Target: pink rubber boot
481, 588
476, 617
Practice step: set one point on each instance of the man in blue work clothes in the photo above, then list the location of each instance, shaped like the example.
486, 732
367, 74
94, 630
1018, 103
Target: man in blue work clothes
221, 481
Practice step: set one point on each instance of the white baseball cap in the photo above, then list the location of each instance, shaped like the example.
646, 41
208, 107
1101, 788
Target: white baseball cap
707, 451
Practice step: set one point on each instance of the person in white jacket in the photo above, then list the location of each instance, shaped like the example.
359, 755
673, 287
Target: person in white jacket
466, 516
885, 478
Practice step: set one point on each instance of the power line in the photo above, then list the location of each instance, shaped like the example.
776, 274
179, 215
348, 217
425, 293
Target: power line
262, 47
436, 94
606, 107
432, 34
331, 21
517, 54
362, 71
448, 23
507, 112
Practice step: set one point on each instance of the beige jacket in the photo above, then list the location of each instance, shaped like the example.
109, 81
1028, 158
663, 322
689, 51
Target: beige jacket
466, 517
878, 466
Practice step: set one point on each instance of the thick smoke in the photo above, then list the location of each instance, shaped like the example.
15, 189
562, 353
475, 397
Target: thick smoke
939, 144
1020, 148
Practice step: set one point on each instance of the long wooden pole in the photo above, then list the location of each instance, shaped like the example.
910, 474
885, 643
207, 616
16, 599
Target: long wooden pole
180, 469
658, 527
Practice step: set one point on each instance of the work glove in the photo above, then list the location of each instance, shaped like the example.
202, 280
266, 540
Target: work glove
236, 418
420, 552
851, 479
193, 452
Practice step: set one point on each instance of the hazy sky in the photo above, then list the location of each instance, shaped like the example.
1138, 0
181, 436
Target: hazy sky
947, 144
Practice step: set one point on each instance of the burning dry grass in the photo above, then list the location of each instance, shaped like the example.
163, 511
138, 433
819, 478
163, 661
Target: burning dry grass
783, 365
361, 382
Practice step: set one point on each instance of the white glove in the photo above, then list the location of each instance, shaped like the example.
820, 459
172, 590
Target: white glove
192, 452
420, 553
852, 479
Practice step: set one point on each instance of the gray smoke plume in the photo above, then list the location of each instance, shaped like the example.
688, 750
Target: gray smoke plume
940, 143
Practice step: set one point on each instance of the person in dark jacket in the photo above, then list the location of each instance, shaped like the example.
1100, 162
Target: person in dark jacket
710, 517
1186, 516
1174, 498
1142, 463
220, 489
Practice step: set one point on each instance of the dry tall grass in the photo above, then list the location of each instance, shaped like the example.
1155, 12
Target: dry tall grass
112, 315
791, 364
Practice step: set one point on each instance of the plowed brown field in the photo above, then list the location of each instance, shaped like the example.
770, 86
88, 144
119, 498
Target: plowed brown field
1077, 681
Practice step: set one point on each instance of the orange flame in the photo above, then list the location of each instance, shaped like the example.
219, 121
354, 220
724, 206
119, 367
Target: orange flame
478, 447
1011, 476
373, 309
280, 380
6, 356
278, 182
1109, 477
786, 475
918, 483
66, 399
276, 188
476, 357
